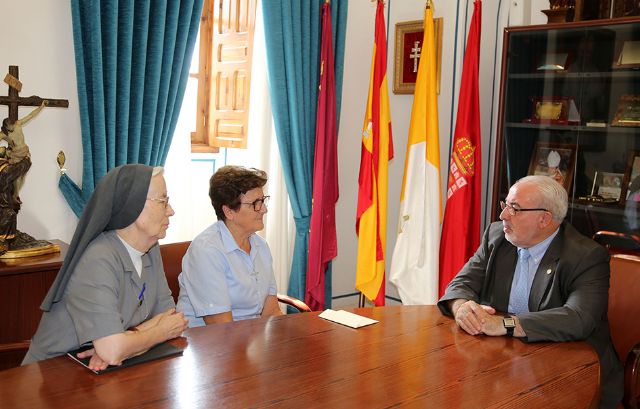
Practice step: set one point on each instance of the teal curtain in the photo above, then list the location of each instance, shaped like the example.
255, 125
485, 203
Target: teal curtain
292, 36
132, 65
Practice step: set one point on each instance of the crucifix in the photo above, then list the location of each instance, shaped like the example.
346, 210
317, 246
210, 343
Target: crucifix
13, 101
415, 55
15, 161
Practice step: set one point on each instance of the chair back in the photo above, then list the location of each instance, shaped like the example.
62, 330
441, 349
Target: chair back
172, 254
624, 311
624, 308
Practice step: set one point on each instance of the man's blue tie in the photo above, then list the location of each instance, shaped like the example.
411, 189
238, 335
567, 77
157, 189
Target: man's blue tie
519, 297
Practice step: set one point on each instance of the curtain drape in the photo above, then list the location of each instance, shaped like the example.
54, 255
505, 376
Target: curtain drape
132, 64
293, 50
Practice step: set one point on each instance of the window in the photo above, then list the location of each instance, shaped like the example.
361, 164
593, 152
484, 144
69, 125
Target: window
224, 74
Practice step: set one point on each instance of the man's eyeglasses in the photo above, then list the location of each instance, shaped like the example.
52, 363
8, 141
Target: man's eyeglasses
163, 200
513, 211
257, 204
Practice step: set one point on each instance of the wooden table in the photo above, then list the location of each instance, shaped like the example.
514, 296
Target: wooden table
414, 357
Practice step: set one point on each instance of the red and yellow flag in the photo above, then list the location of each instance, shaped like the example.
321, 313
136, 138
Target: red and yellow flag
461, 225
323, 244
377, 150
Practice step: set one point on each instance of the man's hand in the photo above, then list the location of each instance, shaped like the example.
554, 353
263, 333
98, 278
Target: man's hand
472, 317
493, 326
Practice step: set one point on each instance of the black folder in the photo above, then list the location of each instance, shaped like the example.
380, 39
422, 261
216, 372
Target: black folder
161, 350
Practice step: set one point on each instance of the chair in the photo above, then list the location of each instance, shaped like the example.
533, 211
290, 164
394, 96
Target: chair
624, 311
11, 355
617, 242
294, 302
172, 254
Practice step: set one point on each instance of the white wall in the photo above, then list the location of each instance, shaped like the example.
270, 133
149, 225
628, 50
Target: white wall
37, 36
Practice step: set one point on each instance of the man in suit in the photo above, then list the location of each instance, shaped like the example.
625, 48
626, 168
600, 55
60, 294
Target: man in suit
553, 281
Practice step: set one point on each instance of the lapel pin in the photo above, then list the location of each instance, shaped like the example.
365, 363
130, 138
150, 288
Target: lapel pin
549, 271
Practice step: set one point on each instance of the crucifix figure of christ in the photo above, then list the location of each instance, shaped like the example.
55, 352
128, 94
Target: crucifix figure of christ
15, 161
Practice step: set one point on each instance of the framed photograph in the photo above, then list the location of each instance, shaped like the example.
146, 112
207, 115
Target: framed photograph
628, 111
609, 185
631, 182
556, 160
408, 48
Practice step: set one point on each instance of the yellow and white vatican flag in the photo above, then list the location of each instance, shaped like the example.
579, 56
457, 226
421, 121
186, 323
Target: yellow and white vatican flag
414, 265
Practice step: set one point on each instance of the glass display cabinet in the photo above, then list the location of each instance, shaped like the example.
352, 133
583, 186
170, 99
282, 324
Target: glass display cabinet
570, 108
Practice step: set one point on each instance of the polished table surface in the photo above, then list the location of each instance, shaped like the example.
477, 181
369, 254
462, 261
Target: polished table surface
413, 357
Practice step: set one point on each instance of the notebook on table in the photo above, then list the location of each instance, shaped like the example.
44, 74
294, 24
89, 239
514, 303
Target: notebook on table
161, 350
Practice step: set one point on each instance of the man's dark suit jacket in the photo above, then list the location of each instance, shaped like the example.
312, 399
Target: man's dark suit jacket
568, 298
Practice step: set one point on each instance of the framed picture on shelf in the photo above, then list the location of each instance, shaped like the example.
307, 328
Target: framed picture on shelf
628, 111
609, 186
631, 182
553, 111
408, 49
556, 160
628, 55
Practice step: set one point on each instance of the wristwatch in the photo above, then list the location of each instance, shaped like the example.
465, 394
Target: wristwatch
509, 324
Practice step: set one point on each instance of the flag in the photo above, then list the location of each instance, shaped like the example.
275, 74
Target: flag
414, 265
323, 245
461, 225
377, 150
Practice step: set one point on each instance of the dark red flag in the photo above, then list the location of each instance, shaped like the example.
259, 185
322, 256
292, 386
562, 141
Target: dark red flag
461, 226
323, 246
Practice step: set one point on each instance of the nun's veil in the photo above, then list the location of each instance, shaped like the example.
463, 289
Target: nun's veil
116, 202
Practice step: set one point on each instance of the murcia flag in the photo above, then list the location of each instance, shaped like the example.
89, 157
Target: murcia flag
323, 245
377, 150
461, 226
414, 266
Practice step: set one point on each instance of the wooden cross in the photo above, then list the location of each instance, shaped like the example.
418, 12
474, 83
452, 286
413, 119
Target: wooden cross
13, 101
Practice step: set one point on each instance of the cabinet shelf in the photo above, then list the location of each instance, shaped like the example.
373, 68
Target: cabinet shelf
601, 161
579, 76
577, 128
611, 209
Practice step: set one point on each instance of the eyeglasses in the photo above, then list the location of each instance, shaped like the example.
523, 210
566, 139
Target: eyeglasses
513, 211
257, 204
163, 200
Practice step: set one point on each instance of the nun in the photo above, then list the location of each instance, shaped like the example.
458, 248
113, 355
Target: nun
111, 290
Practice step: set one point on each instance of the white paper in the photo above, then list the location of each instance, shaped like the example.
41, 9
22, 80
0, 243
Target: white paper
346, 318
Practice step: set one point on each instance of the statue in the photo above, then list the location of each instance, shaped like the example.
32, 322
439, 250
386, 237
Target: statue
15, 162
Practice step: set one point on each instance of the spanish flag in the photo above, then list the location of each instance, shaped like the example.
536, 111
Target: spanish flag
414, 266
377, 150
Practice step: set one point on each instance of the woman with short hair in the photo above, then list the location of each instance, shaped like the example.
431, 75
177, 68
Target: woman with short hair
227, 272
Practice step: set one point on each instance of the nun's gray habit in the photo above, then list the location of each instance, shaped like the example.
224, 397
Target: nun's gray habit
116, 202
